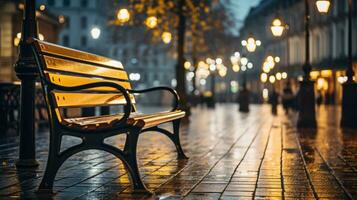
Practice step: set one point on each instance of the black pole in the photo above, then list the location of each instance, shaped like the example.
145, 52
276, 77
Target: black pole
307, 113
26, 71
180, 70
349, 97
212, 103
243, 98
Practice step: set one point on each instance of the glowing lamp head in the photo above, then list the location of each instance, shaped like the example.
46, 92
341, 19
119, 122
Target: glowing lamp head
264, 77
236, 68
123, 15
272, 79
277, 59
151, 22
219, 61
187, 65
42, 7
250, 65
244, 61
95, 32
166, 37
277, 27
323, 6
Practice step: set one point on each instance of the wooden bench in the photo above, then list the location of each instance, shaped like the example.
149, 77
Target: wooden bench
72, 78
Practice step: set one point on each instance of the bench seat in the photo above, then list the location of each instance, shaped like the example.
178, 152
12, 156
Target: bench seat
138, 119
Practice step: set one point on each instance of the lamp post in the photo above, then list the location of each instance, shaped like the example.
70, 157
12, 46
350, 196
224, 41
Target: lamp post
244, 93
349, 98
307, 112
26, 71
212, 68
306, 98
251, 44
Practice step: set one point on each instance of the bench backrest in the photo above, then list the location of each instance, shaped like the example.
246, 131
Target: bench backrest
68, 67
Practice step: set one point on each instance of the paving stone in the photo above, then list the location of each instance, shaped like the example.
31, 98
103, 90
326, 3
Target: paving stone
232, 156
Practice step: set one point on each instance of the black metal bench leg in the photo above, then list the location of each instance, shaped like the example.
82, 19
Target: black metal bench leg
176, 139
130, 157
53, 164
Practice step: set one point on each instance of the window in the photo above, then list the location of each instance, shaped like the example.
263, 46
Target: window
341, 6
68, 22
342, 42
65, 40
84, 3
51, 2
66, 3
83, 22
84, 41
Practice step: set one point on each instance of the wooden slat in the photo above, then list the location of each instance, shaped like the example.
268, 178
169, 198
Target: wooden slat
66, 99
71, 81
45, 47
53, 63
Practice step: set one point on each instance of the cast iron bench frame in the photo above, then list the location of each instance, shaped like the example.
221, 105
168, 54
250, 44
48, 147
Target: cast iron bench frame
93, 138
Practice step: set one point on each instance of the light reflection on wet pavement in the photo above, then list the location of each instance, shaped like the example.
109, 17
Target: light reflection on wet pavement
232, 156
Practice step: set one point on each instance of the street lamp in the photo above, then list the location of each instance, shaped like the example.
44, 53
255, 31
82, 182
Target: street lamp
277, 27
166, 37
244, 61
27, 71
244, 93
323, 5
151, 22
307, 113
349, 96
251, 44
95, 32
123, 15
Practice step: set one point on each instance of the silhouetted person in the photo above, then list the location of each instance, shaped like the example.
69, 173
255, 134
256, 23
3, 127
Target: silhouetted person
319, 98
243, 99
288, 98
274, 101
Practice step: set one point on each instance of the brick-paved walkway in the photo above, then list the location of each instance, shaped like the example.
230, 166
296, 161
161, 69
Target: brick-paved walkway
232, 156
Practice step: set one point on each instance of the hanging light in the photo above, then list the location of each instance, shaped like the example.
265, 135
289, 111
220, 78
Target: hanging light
284, 75
236, 68
251, 44
323, 6
187, 65
272, 79
277, 27
123, 15
166, 37
277, 59
250, 65
244, 61
264, 77
151, 22
42, 7
95, 32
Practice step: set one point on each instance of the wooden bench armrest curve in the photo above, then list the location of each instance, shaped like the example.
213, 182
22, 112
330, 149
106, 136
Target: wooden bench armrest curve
172, 91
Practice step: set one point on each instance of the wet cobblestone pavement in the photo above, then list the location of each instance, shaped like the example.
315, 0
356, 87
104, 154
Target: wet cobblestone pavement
232, 156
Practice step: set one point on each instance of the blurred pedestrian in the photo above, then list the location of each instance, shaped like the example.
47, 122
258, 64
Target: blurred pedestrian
288, 98
243, 99
319, 98
274, 101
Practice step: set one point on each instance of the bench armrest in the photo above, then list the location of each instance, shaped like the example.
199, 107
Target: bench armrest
172, 91
119, 88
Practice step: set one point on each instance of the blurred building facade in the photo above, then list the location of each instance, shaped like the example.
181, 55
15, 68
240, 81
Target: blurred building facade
148, 64
85, 23
328, 43
11, 14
